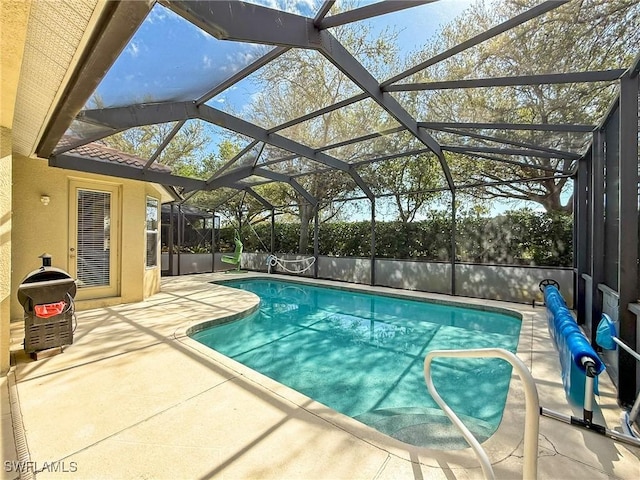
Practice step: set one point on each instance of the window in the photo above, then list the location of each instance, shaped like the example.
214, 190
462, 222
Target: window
94, 238
152, 232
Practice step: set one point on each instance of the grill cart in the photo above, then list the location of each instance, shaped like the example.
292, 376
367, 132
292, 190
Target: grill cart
46, 294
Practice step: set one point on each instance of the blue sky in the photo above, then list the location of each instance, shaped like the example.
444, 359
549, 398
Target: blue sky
170, 59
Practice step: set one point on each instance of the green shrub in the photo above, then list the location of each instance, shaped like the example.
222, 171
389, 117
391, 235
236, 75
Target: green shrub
520, 237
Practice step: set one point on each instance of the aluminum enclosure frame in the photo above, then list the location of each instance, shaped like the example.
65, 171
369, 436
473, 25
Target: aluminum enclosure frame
239, 21
222, 21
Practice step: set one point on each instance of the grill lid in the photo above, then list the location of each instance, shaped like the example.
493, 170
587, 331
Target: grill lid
47, 284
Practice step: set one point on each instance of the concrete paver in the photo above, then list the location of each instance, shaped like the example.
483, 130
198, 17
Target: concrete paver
134, 397
7, 448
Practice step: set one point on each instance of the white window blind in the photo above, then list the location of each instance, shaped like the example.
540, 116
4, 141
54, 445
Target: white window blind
152, 232
94, 239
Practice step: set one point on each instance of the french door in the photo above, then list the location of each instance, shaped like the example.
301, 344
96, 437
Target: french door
94, 238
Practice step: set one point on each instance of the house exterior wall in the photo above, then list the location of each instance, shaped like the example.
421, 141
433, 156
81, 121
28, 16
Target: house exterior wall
14, 18
5, 246
38, 229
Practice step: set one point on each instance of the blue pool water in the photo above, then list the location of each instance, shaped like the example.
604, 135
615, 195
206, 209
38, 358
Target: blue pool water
363, 355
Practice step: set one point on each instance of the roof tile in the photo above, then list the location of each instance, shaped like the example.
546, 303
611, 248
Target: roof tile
100, 152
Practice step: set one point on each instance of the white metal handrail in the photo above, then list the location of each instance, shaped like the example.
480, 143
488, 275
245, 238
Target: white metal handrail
532, 407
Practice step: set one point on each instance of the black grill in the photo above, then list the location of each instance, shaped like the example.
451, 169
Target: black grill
47, 297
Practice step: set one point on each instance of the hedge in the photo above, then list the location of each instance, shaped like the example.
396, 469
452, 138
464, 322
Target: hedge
515, 238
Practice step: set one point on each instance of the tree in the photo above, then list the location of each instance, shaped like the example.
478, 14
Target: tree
411, 181
236, 207
579, 36
302, 81
185, 153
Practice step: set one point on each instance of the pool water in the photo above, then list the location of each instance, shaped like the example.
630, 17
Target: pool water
363, 355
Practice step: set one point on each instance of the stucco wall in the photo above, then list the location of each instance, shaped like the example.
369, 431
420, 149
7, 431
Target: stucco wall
189, 263
201, 263
14, 18
423, 276
496, 282
252, 261
38, 228
5, 246
355, 270
510, 283
291, 261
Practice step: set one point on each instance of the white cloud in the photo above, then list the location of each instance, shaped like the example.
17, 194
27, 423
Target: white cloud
157, 14
207, 62
238, 60
298, 7
133, 49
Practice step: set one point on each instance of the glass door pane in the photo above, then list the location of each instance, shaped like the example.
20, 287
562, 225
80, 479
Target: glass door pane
94, 238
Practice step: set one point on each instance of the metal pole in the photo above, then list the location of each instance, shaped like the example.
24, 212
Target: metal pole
273, 231
574, 243
453, 242
373, 241
628, 234
581, 227
213, 241
171, 232
180, 234
597, 230
315, 242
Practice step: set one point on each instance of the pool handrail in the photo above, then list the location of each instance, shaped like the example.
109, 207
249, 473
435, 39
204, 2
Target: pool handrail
532, 407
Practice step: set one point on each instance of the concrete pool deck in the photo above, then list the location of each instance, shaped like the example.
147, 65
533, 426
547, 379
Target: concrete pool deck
134, 397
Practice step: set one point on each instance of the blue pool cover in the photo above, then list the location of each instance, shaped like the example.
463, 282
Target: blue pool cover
572, 345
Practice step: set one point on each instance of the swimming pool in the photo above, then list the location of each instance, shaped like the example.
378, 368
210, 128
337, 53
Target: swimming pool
363, 355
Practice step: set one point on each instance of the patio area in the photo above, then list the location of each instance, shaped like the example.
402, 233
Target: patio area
134, 397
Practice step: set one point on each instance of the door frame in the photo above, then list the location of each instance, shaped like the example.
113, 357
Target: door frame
115, 237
